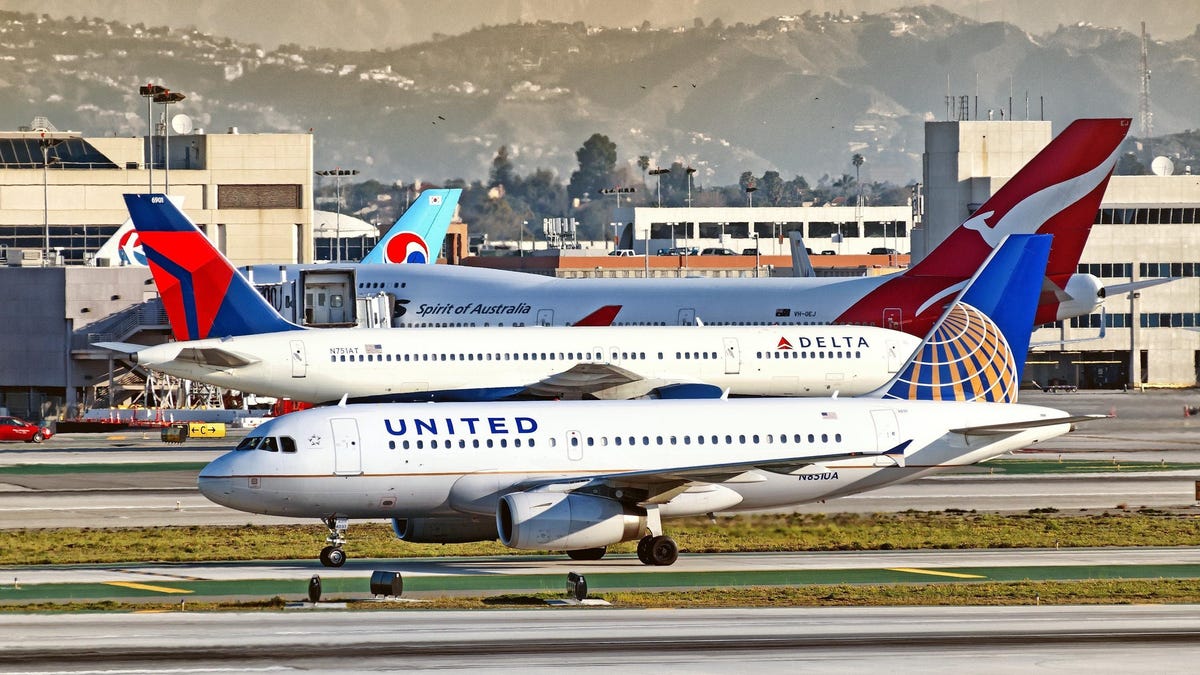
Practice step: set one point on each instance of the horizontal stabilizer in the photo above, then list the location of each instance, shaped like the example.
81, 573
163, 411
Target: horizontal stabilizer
122, 347
1114, 290
1015, 427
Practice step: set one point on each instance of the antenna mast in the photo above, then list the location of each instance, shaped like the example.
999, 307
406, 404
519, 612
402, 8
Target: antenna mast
1146, 118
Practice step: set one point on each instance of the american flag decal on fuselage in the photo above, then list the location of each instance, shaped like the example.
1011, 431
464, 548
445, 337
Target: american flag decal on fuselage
966, 359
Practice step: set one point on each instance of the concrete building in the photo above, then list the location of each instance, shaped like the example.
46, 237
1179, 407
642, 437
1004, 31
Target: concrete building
1146, 228
61, 199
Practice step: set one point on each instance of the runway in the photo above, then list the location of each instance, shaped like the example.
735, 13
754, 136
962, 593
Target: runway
900, 639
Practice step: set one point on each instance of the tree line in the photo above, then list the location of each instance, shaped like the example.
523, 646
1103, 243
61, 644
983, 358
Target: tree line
508, 205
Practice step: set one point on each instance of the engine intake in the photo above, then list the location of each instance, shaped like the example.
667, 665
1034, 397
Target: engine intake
566, 521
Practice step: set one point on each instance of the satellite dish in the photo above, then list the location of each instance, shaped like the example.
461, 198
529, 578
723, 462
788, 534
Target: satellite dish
1162, 166
181, 124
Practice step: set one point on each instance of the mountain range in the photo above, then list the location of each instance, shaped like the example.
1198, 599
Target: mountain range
799, 94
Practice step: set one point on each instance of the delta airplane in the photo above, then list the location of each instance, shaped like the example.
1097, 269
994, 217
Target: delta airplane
416, 237
261, 353
580, 476
1058, 192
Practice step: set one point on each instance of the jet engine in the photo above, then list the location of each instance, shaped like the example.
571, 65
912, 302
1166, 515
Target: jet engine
444, 530
1085, 295
566, 521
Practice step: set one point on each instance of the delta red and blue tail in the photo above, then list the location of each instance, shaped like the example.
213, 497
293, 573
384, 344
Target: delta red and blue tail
203, 294
976, 351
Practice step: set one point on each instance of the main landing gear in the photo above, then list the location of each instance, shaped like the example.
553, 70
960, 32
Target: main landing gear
660, 550
333, 555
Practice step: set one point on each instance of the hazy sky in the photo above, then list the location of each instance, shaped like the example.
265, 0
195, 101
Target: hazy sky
376, 24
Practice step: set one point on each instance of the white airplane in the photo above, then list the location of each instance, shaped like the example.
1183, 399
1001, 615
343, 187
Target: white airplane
1058, 192
415, 237
582, 475
263, 354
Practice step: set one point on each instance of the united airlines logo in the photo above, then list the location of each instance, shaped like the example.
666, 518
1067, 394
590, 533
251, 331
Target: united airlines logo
966, 359
406, 247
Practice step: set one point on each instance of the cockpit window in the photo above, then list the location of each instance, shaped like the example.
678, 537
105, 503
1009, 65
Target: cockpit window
269, 444
249, 443
286, 444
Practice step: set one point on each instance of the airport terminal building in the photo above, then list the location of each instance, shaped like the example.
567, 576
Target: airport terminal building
252, 194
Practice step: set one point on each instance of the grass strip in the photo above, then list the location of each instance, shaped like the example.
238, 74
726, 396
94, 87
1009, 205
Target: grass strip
910, 530
60, 469
1014, 593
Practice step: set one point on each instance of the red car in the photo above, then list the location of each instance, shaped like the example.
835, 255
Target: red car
17, 429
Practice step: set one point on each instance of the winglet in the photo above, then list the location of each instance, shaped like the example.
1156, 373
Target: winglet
601, 317
976, 350
417, 235
202, 292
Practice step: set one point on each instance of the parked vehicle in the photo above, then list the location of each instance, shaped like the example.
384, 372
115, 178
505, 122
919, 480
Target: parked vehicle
17, 429
623, 253
679, 250
878, 250
717, 251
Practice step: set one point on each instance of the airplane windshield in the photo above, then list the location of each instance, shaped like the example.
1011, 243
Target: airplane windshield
249, 443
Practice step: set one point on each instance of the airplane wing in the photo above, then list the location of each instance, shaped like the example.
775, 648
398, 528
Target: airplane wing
121, 347
591, 379
1009, 428
659, 486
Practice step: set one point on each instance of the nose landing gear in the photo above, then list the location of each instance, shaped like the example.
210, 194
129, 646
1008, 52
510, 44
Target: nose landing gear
333, 555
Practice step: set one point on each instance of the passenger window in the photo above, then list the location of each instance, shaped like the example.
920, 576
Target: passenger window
824, 438
286, 444
742, 438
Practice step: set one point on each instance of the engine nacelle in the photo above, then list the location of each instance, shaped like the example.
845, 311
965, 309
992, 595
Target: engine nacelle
1086, 291
444, 530
565, 521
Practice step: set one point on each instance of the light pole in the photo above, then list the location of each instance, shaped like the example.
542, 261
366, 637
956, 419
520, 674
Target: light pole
659, 173
46, 144
757, 256
337, 175
750, 190
690, 171
167, 98
148, 92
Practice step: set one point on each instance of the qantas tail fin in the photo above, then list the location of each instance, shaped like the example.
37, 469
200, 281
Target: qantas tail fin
976, 350
417, 236
202, 292
1057, 192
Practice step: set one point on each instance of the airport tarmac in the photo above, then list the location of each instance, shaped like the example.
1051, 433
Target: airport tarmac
927, 640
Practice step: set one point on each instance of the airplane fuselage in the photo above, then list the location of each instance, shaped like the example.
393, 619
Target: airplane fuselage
485, 364
456, 460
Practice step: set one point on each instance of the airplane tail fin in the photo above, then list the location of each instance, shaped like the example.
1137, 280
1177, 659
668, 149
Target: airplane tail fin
202, 292
417, 236
976, 350
1057, 192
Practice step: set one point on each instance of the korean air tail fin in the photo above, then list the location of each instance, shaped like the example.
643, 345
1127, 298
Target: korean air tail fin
418, 235
202, 292
976, 350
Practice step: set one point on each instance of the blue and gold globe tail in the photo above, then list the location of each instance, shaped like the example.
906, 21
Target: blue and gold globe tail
976, 351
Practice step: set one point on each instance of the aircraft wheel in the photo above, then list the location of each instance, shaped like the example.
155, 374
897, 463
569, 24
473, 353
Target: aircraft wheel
643, 550
663, 551
588, 553
332, 556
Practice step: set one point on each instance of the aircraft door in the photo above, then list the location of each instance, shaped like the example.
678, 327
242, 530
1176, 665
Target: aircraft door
687, 316
545, 317
299, 359
894, 358
887, 429
347, 451
574, 446
892, 318
733, 357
